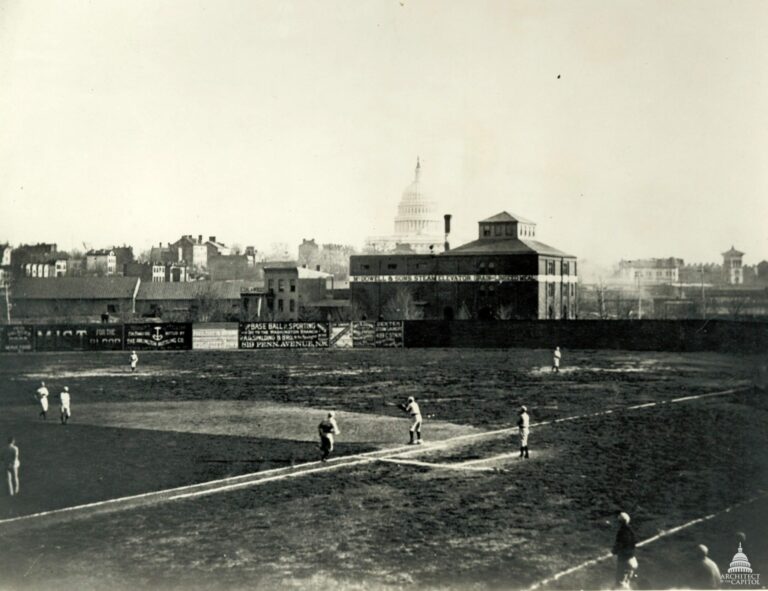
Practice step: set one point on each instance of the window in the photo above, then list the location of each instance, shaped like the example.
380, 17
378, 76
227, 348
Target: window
292, 305
293, 286
497, 230
281, 285
113, 308
271, 285
565, 267
365, 267
392, 266
510, 229
280, 305
481, 266
551, 289
491, 266
486, 230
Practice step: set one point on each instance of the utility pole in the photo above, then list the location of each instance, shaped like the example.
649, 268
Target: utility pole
703, 299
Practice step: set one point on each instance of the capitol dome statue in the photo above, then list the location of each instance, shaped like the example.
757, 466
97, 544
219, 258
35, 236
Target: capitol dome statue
418, 226
740, 563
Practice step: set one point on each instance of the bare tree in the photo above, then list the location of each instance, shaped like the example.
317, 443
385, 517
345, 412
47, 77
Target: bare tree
402, 306
464, 312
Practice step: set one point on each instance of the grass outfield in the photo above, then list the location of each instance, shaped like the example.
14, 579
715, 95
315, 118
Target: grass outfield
192, 417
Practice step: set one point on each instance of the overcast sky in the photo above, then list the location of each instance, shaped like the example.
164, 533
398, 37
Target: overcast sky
625, 129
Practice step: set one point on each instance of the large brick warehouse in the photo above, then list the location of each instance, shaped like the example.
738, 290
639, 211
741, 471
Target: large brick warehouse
504, 274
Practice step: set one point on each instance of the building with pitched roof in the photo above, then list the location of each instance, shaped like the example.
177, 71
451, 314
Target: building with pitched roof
505, 273
81, 299
195, 301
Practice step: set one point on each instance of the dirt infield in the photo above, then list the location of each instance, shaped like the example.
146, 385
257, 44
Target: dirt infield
379, 525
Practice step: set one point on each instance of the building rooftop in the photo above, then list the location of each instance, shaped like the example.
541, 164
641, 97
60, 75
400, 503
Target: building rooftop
507, 217
733, 253
75, 288
190, 290
505, 246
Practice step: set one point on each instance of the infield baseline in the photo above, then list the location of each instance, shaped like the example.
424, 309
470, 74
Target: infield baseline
253, 479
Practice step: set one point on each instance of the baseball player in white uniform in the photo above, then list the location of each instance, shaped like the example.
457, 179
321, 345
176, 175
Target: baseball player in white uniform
412, 408
41, 395
10, 459
556, 360
64, 399
327, 429
523, 424
134, 360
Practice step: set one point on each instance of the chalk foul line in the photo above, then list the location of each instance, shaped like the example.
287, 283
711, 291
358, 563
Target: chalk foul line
277, 474
658, 536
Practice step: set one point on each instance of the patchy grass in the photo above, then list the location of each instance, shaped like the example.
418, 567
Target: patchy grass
378, 526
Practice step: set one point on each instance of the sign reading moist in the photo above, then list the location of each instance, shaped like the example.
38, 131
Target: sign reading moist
170, 336
79, 337
283, 335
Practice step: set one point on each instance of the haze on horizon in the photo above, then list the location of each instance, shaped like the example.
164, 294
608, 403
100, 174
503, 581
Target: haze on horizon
625, 130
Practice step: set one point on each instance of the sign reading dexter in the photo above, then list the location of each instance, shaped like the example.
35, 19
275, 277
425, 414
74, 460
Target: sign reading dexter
158, 336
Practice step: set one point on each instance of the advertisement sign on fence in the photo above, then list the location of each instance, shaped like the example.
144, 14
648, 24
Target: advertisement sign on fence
389, 334
341, 335
18, 338
288, 335
168, 336
363, 334
79, 338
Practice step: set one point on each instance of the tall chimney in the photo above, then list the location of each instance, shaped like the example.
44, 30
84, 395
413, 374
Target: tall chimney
447, 218
212, 238
199, 238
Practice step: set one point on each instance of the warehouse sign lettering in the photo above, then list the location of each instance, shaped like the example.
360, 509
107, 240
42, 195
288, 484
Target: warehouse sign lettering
457, 278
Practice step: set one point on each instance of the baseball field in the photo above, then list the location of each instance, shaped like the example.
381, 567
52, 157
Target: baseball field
201, 471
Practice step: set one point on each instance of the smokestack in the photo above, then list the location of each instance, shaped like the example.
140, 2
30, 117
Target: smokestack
199, 238
447, 218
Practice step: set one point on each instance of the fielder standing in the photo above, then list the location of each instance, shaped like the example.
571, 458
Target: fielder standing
523, 426
412, 408
10, 459
134, 360
327, 429
41, 395
556, 360
64, 399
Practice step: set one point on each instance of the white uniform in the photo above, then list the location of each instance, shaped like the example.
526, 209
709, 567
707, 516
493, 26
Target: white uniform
64, 398
523, 425
413, 410
556, 359
42, 397
134, 360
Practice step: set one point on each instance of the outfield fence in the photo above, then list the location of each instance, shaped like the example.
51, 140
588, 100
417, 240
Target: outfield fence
639, 335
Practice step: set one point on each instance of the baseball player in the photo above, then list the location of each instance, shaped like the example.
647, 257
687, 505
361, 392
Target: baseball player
10, 459
624, 549
556, 360
523, 423
41, 395
412, 408
64, 399
327, 429
134, 360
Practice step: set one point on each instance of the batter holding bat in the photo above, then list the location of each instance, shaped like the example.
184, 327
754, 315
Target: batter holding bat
412, 408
